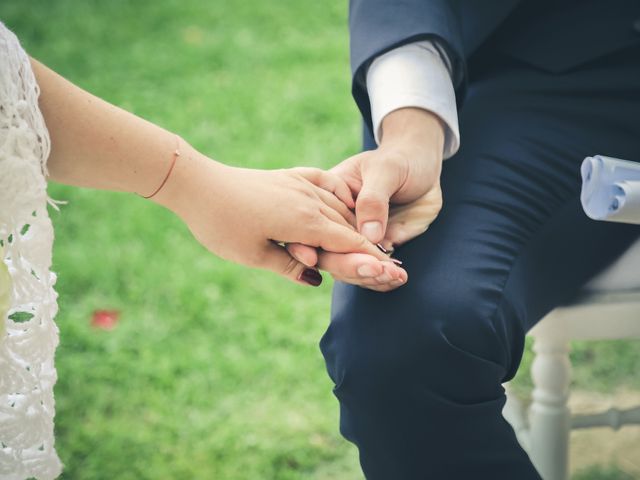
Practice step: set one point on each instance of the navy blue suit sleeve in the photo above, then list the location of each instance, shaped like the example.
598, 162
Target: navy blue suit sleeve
377, 26
460, 26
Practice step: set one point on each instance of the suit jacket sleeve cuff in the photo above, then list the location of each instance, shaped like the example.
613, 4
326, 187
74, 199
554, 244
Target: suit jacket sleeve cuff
414, 75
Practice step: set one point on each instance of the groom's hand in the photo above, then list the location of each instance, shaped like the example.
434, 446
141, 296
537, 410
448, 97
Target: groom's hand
397, 187
403, 172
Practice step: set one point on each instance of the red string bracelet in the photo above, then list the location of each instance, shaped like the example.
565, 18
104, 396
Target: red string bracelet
175, 156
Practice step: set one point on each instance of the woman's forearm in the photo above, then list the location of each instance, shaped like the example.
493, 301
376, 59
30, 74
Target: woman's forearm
98, 145
239, 214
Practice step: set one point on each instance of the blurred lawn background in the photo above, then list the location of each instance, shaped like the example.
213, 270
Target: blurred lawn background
213, 371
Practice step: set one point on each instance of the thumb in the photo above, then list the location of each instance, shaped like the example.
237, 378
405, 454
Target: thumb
372, 204
278, 260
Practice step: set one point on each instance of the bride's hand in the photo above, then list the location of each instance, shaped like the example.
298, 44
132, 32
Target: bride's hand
241, 214
236, 213
405, 222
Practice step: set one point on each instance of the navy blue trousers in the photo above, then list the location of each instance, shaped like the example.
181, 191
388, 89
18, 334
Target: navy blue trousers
418, 371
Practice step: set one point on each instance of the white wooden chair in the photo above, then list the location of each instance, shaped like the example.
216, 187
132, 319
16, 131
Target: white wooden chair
608, 308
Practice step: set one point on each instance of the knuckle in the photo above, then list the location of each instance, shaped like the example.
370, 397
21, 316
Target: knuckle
313, 171
304, 188
371, 200
360, 241
307, 215
309, 225
302, 172
315, 227
297, 179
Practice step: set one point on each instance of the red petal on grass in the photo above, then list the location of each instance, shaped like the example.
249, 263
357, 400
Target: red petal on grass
105, 319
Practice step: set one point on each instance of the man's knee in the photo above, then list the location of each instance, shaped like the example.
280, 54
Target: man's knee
450, 345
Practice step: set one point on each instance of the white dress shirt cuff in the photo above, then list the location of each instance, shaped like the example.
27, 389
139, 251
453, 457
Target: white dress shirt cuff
414, 75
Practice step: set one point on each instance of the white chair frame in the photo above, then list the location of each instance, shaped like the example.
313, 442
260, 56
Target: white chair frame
544, 432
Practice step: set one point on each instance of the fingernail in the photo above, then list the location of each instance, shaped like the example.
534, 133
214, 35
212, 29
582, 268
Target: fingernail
382, 249
372, 230
310, 277
396, 261
366, 271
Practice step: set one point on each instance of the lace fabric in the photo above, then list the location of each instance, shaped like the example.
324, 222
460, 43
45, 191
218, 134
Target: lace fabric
30, 336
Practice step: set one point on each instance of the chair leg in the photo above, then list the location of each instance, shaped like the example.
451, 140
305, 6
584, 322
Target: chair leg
549, 414
515, 413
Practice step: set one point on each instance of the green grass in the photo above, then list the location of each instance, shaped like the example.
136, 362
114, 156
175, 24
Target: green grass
214, 370
607, 472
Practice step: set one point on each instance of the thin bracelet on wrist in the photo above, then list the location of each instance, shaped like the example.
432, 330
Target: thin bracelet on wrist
174, 158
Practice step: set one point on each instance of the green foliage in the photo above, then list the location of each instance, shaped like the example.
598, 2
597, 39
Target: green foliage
603, 473
213, 371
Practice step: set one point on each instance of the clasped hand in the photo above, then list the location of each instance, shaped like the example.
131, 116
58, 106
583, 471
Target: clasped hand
398, 195
247, 216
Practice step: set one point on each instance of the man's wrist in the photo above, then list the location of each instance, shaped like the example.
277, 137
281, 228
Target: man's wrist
414, 75
413, 128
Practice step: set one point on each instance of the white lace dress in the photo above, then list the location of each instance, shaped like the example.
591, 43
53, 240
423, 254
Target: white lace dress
28, 335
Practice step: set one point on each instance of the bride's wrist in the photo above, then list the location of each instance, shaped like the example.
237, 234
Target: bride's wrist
191, 173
